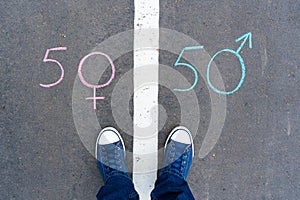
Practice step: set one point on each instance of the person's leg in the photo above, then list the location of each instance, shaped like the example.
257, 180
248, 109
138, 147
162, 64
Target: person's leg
110, 155
179, 152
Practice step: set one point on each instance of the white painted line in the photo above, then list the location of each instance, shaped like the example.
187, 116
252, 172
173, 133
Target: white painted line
146, 55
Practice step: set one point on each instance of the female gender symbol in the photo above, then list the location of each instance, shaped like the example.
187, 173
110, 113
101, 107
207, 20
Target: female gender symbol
95, 98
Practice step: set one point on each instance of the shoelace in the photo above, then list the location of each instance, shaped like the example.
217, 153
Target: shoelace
178, 160
111, 156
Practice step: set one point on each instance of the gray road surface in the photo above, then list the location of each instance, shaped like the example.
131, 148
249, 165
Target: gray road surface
257, 155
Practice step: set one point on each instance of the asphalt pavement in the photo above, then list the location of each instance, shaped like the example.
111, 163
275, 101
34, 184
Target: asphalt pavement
257, 155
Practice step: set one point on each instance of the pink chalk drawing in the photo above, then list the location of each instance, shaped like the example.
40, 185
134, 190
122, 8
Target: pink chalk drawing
96, 86
95, 98
46, 59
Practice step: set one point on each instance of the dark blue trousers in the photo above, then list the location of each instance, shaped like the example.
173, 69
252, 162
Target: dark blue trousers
167, 187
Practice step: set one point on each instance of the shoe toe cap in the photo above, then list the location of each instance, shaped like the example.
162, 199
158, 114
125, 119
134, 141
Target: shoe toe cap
182, 136
108, 137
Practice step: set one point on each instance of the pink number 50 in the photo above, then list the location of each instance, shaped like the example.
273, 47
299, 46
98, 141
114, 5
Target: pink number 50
46, 59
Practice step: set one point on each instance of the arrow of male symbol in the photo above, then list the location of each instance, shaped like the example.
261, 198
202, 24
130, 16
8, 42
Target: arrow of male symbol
247, 36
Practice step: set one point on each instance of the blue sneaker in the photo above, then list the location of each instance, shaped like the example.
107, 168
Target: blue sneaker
110, 153
179, 152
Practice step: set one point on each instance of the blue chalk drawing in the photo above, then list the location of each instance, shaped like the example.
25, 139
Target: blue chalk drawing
177, 63
236, 53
